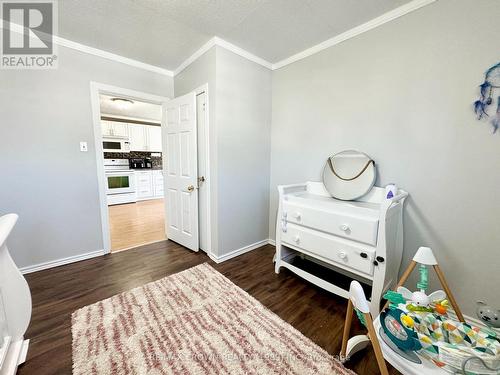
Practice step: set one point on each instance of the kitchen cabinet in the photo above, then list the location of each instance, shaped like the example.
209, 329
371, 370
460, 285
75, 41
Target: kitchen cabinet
154, 137
158, 183
112, 129
145, 138
107, 128
138, 137
144, 184
149, 184
120, 129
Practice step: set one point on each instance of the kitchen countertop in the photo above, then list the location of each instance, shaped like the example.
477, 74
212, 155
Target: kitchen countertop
146, 169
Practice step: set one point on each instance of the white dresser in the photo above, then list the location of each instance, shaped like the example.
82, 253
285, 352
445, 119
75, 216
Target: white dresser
360, 239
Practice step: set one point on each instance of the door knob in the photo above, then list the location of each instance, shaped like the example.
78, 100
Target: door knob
190, 188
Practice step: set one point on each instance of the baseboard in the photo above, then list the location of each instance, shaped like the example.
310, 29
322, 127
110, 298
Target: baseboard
60, 262
235, 253
271, 242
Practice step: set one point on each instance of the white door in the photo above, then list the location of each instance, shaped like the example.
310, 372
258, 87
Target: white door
180, 171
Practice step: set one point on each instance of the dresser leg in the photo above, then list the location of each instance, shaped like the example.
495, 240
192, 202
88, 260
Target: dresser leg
277, 268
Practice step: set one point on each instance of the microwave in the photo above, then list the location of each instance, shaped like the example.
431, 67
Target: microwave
115, 145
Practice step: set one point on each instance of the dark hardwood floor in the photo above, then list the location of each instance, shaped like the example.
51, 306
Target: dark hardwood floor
59, 291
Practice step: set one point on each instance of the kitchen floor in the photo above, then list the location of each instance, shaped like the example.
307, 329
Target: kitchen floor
136, 224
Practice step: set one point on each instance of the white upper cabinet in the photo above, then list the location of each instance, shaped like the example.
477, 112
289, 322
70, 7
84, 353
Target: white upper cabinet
107, 128
120, 129
138, 137
145, 138
154, 136
113, 129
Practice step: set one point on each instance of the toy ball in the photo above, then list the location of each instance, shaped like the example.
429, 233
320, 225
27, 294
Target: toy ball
488, 315
420, 299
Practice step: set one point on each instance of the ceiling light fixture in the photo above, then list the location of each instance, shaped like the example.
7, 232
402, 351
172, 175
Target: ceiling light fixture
122, 103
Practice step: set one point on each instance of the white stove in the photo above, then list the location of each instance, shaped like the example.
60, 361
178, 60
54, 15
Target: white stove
120, 181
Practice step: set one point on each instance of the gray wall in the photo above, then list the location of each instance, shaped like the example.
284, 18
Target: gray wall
240, 121
402, 93
243, 147
44, 177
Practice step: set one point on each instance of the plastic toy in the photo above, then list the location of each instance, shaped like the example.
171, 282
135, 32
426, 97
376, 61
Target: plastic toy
407, 321
393, 323
394, 298
418, 343
441, 307
488, 314
420, 298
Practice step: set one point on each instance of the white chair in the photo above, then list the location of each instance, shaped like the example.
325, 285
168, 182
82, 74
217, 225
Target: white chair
15, 305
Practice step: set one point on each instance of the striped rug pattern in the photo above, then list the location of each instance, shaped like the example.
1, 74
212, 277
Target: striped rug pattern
193, 322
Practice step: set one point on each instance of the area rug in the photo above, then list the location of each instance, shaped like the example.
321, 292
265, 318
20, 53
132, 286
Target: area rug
193, 322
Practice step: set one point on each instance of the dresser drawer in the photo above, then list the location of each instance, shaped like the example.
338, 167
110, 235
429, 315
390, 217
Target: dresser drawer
339, 252
357, 228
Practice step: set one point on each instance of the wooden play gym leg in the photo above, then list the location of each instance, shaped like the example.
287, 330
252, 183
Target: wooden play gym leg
376, 345
403, 279
449, 295
347, 329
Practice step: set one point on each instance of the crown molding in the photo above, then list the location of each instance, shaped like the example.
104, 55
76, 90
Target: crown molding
216, 41
240, 51
191, 59
97, 52
111, 56
367, 26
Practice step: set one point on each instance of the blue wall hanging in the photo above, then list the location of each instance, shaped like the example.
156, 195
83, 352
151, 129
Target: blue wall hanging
487, 92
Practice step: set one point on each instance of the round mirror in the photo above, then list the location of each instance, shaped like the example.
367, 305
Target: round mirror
349, 175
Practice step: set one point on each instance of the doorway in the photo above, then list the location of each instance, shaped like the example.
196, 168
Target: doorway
132, 145
131, 133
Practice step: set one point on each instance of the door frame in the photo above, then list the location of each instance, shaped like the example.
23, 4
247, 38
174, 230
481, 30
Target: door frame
200, 90
96, 89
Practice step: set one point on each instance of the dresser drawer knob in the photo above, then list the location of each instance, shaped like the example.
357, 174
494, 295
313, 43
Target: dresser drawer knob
344, 227
343, 255
380, 259
297, 216
364, 255
296, 238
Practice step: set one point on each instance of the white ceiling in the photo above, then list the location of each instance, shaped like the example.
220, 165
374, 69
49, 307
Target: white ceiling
166, 32
138, 110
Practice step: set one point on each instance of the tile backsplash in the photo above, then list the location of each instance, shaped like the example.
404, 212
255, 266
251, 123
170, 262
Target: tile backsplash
156, 160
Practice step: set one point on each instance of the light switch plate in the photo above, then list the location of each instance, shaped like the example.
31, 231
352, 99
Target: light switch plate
83, 147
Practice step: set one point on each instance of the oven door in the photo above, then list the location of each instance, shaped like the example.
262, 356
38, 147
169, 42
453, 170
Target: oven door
120, 182
115, 145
